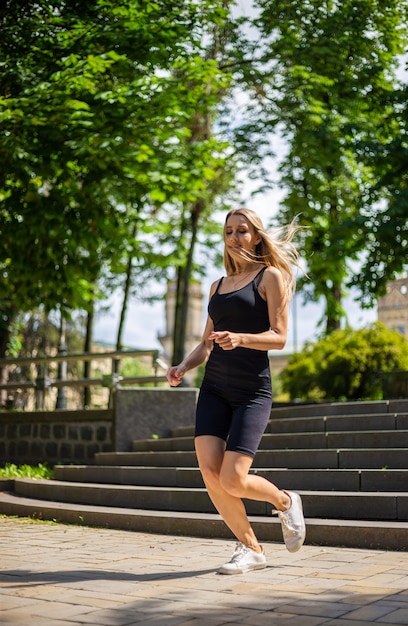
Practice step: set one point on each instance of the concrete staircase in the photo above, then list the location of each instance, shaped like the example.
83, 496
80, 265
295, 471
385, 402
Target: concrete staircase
349, 462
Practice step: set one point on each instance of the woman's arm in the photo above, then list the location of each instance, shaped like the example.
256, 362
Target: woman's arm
272, 289
198, 356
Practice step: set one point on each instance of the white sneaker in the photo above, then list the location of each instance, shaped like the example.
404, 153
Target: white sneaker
243, 560
293, 523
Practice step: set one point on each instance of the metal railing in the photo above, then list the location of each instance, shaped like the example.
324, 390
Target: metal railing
43, 383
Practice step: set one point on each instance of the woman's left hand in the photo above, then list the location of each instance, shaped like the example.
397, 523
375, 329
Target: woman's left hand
225, 339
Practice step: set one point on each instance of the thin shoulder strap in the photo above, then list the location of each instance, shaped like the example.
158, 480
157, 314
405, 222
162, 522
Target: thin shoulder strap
219, 284
258, 277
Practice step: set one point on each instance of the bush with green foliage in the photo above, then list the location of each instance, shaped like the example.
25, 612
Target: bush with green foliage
132, 367
346, 365
10, 470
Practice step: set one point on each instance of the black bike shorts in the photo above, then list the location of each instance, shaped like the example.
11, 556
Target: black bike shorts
237, 416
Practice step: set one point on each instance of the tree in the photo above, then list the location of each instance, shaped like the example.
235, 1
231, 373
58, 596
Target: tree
37, 333
94, 117
385, 224
346, 365
194, 218
325, 70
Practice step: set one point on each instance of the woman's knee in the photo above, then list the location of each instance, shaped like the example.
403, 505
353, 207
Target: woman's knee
232, 483
234, 473
210, 456
210, 474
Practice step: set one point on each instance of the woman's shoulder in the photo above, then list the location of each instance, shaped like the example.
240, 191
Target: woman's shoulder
215, 285
271, 270
271, 277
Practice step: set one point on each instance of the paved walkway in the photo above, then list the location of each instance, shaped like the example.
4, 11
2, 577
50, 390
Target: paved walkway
60, 575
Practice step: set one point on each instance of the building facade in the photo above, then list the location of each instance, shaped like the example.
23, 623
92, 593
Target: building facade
194, 327
393, 306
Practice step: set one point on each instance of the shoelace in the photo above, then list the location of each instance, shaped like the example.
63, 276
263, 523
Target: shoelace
287, 521
239, 553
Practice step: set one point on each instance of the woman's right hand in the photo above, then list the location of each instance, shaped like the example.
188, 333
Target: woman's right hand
175, 374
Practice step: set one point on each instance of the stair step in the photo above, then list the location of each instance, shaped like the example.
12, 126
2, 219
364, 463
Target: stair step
129, 475
368, 439
352, 439
168, 444
348, 461
335, 423
295, 440
149, 498
324, 423
157, 459
356, 533
321, 479
376, 458
341, 408
330, 504
183, 431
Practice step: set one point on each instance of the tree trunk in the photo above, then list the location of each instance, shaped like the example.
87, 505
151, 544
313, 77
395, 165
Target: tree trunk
334, 309
88, 348
183, 288
7, 316
62, 367
123, 311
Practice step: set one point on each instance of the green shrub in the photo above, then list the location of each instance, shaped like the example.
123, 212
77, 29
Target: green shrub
131, 367
346, 365
10, 470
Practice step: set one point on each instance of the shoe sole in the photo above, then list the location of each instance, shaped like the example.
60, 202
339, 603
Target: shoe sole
300, 505
241, 571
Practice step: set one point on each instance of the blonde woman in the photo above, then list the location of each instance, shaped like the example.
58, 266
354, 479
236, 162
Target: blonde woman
247, 317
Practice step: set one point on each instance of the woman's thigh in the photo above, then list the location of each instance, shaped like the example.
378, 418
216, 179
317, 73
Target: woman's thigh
210, 452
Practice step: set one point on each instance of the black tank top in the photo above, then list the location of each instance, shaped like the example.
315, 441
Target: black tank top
243, 310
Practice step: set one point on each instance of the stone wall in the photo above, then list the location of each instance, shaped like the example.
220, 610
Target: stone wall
74, 437
145, 412
54, 436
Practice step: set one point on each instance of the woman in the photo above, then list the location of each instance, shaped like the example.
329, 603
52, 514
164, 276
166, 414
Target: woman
247, 316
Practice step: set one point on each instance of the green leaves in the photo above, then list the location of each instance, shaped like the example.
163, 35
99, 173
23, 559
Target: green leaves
95, 108
11, 470
329, 68
346, 365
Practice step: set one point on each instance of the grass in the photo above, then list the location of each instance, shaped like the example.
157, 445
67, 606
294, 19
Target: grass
10, 470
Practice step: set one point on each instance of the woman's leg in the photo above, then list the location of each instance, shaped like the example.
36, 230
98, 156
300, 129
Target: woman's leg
236, 480
211, 457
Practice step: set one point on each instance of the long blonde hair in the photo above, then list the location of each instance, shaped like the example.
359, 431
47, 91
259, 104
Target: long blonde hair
274, 250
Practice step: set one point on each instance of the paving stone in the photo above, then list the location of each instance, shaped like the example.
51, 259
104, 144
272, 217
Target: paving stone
60, 575
370, 613
286, 619
352, 622
318, 608
400, 616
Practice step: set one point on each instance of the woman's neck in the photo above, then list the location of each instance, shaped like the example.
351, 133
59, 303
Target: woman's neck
246, 268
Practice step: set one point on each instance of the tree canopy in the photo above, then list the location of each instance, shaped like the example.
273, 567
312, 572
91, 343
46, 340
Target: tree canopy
116, 151
385, 223
96, 102
324, 81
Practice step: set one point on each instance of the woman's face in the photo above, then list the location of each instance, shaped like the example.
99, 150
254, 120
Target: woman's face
240, 235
